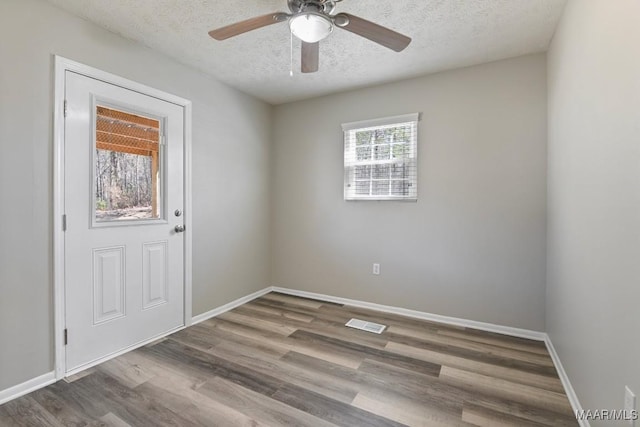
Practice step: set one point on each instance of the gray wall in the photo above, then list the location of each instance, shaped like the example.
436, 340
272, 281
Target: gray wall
593, 294
231, 134
473, 246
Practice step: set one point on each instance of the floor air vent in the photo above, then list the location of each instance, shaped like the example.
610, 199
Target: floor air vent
376, 328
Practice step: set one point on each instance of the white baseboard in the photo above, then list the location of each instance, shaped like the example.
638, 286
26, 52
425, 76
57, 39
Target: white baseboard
489, 327
27, 387
229, 306
564, 378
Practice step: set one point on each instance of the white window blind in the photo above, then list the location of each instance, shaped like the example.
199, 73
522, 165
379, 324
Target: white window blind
381, 159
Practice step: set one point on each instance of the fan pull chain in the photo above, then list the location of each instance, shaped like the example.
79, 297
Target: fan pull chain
291, 54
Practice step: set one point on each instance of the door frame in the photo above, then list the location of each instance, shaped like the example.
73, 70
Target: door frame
61, 66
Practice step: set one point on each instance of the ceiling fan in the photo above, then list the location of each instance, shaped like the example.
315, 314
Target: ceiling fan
311, 21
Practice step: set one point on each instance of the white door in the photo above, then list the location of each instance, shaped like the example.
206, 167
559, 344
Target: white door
123, 201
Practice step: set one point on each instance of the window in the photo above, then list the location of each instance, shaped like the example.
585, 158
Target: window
380, 159
128, 167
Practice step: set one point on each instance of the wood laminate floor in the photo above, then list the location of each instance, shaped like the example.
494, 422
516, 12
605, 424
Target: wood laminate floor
283, 360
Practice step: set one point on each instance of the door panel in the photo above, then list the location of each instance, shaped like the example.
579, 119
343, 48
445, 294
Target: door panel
154, 274
108, 284
124, 260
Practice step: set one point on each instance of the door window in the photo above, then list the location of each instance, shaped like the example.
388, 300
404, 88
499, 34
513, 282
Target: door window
128, 167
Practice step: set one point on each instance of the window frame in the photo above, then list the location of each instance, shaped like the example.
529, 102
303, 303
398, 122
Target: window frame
99, 101
349, 150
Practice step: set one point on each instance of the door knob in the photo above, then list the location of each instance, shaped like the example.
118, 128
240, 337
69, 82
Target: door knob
179, 228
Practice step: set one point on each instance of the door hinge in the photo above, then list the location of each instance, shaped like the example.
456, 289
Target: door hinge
66, 337
65, 108
64, 222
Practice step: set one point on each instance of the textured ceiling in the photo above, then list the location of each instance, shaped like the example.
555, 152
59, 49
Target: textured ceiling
446, 34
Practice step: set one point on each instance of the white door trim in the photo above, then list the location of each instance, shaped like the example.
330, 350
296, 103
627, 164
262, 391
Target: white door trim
61, 65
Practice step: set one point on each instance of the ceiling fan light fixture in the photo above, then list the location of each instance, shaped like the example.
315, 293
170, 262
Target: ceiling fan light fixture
311, 27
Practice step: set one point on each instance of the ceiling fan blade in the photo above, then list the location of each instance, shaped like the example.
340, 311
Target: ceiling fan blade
310, 57
374, 32
248, 25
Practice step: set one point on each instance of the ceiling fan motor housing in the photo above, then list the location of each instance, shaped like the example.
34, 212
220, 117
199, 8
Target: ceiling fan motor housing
321, 6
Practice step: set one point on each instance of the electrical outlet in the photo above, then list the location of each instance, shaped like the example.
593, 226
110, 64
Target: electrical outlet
376, 269
629, 405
